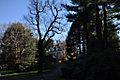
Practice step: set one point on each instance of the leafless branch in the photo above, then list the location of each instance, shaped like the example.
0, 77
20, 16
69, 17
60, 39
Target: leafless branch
30, 20
36, 9
55, 11
43, 7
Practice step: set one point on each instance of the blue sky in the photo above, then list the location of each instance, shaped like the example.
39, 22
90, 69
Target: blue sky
12, 10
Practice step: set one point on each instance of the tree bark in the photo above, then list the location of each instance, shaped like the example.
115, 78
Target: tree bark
84, 46
98, 29
105, 33
40, 56
86, 30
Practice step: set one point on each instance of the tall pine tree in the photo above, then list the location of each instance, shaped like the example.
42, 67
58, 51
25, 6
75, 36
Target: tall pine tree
98, 39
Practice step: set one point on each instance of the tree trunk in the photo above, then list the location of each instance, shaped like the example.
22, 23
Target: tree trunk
84, 46
105, 33
79, 44
98, 29
86, 31
40, 56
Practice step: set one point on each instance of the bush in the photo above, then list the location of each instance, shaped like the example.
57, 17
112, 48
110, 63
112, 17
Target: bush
94, 67
3, 67
21, 67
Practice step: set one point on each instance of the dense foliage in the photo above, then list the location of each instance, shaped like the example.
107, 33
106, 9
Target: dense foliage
93, 37
18, 47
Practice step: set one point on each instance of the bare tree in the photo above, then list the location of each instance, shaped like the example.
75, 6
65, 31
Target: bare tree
45, 16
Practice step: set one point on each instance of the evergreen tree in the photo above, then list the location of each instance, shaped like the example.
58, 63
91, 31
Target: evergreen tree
100, 39
91, 21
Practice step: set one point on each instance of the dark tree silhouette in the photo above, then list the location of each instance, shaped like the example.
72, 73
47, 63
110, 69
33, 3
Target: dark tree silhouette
98, 39
47, 13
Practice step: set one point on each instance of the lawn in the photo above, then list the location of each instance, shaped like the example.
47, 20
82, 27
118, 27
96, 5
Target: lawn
48, 74
13, 73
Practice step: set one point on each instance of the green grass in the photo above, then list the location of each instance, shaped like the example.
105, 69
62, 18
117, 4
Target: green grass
18, 74
26, 74
7, 72
13, 73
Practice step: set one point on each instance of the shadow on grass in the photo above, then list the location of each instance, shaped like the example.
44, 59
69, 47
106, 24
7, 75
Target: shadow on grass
14, 74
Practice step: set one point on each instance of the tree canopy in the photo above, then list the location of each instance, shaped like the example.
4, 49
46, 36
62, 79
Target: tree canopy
93, 37
45, 16
19, 46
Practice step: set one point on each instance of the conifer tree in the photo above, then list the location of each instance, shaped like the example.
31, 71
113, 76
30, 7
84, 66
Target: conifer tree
100, 38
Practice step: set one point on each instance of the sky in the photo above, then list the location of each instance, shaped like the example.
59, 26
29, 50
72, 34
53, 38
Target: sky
12, 10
